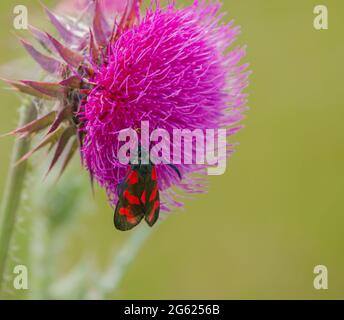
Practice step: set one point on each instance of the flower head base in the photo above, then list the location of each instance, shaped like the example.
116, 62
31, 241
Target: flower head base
171, 68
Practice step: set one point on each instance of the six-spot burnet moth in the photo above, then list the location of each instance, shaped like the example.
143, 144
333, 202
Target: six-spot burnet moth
138, 196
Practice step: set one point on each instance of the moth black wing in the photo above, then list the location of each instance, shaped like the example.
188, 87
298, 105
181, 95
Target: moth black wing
151, 198
129, 211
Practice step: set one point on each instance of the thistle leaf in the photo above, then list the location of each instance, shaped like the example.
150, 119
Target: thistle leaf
69, 156
43, 39
22, 87
67, 35
71, 57
35, 125
130, 14
52, 138
73, 82
94, 50
47, 63
54, 90
100, 26
61, 145
61, 116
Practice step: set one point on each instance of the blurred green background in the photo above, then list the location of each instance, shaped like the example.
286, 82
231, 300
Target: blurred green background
279, 209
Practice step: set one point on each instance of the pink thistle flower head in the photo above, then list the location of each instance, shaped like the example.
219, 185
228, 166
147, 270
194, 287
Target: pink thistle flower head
173, 68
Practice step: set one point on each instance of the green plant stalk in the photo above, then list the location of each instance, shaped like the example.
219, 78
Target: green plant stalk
111, 280
14, 188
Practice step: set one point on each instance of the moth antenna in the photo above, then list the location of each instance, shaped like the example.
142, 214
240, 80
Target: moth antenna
176, 170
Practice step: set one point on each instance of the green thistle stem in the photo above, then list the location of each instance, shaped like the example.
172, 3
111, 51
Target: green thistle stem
13, 188
118, 268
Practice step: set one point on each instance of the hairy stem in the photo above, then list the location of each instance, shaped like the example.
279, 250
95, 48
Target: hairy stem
13, 188
110, 281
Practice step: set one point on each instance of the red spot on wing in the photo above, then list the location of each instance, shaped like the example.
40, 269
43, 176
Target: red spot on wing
153, 194
133, 177
143, 197
154, 174
156, 206
131, 198
128, 214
